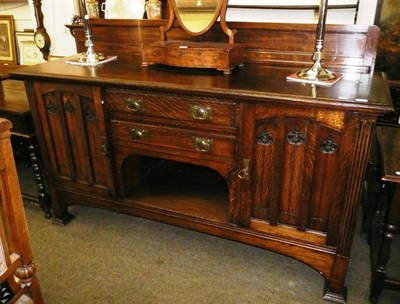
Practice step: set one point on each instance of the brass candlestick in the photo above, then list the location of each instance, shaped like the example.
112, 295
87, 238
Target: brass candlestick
317, 72
91, 56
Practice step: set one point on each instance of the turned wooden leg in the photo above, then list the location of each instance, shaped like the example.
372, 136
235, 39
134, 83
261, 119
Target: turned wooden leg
43, 197
371, 191
383, 256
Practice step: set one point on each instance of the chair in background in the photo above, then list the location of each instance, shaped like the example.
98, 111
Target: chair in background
18, 283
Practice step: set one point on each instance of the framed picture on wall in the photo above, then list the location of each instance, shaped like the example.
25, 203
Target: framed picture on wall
27, 51
7, 40
30, 54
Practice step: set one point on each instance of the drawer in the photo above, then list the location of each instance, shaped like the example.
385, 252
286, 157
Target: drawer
176, 56
127, 133
153, 54
201, 110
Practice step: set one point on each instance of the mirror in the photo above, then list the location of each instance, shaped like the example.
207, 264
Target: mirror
197, 16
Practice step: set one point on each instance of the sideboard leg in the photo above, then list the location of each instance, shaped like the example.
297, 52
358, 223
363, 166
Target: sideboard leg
337, 297
61, 214
62, 221
381, 254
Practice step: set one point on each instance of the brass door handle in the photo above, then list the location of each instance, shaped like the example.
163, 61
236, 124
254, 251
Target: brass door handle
104, 150
200, 112
139, 134
244, 173
202, 144
135, 105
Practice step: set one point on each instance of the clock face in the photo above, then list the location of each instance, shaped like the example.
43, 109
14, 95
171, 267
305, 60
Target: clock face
40, 40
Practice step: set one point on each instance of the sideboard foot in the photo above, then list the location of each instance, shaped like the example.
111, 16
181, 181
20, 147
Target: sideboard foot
373, 299
62, 221
335, 297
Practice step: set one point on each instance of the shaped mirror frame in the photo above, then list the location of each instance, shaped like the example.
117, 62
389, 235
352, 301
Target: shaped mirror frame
176, 13
198, 18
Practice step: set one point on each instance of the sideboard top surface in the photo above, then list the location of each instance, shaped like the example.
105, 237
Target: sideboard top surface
355, 91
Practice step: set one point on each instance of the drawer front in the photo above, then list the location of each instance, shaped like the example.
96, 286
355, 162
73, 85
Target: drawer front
126, 133
204, 111
153, 54
213, 58
175, 56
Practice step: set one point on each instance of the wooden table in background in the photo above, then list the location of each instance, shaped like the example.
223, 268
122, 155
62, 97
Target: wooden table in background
14, 106
387, 215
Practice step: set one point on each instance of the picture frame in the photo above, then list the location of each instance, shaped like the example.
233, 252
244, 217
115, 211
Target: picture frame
27, 51
30, 54
7, 40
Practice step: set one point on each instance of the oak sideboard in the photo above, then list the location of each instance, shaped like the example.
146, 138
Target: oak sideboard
249, 156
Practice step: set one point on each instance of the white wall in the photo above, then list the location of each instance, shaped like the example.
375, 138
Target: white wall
56, 14
365, 15
367, 11
20, 11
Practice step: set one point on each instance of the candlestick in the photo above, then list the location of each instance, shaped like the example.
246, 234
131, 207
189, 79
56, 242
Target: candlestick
91, 56
317, 72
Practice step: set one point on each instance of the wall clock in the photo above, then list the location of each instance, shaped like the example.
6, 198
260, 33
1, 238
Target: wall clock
41, 38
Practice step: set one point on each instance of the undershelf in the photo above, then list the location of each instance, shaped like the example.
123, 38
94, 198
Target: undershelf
184, 189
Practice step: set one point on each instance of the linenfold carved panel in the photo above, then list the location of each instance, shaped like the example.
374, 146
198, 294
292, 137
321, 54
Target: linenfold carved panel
295, 173
70, 117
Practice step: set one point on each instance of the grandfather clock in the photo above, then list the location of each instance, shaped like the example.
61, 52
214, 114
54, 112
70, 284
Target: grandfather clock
41, 38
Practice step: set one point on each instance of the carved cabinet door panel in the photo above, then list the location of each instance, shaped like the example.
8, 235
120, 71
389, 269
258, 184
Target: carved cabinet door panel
72, 121
299, 162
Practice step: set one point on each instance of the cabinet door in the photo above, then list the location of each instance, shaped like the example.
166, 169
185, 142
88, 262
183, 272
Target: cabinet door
299, 164
72, 121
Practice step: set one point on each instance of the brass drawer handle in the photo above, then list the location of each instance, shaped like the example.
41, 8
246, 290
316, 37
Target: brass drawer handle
202, 144
133, 104
139, 134
200, 112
